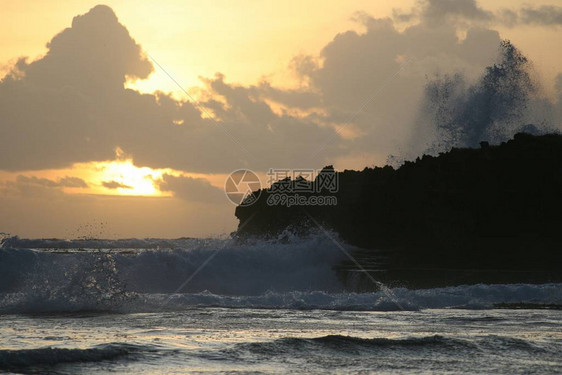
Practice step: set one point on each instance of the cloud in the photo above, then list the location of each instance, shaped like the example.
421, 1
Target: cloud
54, 109
373, 81
546, 15
558, 86
71, 106
35, 187
94, 52
359, 96
377, 82
365, 96
71, 182
439, 11
115, 185
192, 189
38, 207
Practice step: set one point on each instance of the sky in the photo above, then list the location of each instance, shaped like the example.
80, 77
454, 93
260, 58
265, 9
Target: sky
125, 119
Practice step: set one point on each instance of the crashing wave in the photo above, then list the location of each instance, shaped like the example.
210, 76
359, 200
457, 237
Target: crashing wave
297, 273
461, 297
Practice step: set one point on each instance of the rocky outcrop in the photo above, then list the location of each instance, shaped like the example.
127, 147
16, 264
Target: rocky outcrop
492, 214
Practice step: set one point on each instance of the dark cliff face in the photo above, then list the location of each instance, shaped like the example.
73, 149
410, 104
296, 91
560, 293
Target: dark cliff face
469, 208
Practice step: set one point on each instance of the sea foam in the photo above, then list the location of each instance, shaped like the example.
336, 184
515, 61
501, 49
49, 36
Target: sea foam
158, 275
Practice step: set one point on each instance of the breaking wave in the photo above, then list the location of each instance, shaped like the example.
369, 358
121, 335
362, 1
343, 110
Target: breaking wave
464, 297
103, 275
158, 275
505, 100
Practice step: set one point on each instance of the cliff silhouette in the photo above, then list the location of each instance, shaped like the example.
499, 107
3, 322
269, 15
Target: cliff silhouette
491, 214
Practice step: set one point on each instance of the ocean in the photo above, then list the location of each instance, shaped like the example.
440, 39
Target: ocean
151, 306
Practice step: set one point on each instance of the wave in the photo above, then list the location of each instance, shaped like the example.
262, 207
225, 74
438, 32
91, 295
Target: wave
14, 360
462, 297
295, 273
480, 296
220, 266
341, 343
358, 345
92, 243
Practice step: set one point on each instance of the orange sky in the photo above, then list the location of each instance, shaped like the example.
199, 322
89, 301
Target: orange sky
248, 42
243, 39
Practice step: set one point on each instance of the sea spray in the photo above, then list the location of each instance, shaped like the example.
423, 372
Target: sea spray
296, 274
67, 282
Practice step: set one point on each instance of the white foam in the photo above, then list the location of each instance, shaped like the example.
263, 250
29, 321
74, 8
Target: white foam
293, 274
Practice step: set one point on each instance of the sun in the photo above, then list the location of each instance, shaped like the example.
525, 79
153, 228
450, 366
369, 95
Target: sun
125, 178
122, 177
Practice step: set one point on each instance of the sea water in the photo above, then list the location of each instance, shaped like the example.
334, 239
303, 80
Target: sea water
215, 305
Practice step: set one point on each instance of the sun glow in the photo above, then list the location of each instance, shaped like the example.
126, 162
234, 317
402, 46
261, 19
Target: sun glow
124, 178
118, 177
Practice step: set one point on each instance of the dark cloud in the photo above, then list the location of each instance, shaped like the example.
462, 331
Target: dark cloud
71, 182
547, 15
508, 17
544, 15
438, 10
366, 93
192, 189
434, 12
400, 15
371, 83
360, 95
40, 188
95, 51
70, 106
303, 99
36, 181
55, 109
363, 80
115, 185
271, 138
558, 84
